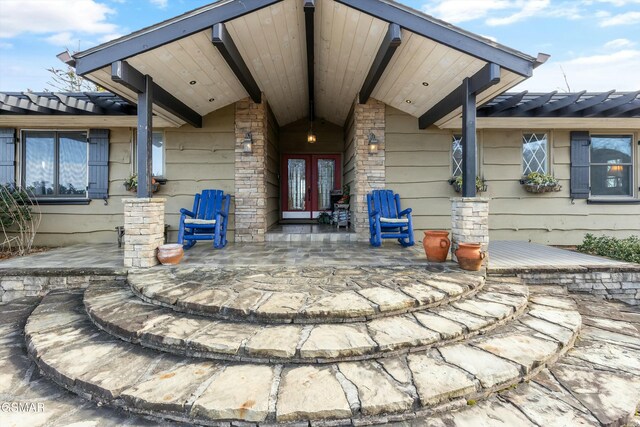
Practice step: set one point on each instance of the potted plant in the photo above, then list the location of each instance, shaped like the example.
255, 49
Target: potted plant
537, 182
131, 184
481, 186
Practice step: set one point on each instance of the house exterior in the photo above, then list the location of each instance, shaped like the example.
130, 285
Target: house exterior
227, 96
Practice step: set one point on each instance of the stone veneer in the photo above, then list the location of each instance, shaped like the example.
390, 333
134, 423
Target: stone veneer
369, 168
143, 231
469, 222
20, 283
250, 172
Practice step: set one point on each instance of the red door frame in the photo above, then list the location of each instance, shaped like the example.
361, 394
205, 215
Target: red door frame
311, 172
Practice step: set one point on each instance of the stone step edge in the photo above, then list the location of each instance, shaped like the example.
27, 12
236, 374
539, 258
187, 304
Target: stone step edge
183, 350
229, 314
417, 412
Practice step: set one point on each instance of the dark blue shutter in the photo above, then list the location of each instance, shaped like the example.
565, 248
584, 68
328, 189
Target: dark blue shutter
580, 159
98, 164
7, 156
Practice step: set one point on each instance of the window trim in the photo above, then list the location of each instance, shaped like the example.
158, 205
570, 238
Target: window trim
616, 199
134, 154
550, 149
22, 170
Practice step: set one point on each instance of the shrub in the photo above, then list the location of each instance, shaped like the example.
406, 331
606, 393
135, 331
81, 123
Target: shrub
622, 249
18, 220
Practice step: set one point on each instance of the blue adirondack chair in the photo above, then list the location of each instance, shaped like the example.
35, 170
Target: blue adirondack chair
207, 221
387, 220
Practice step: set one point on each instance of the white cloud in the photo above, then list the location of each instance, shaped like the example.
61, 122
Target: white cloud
618, 3
109, 37
456, 11
493, 39
63, 39
530, 8
54, 16
619, 44
160, 3
594, 73
627, 18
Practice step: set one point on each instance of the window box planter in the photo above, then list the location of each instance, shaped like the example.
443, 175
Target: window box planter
131, 184
481, 185
540, 183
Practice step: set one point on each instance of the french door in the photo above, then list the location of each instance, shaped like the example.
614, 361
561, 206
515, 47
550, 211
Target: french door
307, 181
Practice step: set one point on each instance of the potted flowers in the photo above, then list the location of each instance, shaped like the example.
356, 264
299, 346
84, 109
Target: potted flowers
537, 182
131, 184
481, 186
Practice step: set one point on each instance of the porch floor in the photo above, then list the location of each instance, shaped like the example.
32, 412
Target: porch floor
504, 255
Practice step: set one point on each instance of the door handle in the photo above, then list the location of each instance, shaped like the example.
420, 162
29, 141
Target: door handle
309, 193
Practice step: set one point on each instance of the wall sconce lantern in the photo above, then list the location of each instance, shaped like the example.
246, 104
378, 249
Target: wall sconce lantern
373, 143
247, 143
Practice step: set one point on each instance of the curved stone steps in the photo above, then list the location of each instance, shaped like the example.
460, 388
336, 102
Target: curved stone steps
95, 365
118, 311
301, 294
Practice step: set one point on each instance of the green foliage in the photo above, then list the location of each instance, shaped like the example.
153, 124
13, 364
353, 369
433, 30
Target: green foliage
536, 178
14, 204
471, 402
457, 184
622, 249
324, 218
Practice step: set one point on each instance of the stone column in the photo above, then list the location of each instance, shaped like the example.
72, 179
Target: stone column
369, 168
143, 230
250, 172
469, 222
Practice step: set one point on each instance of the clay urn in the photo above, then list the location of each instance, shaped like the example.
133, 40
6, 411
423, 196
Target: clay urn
170, 254
436, 245
470, 256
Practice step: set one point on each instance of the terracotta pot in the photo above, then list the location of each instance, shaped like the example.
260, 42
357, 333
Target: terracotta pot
170, 254
436, 245
470, 256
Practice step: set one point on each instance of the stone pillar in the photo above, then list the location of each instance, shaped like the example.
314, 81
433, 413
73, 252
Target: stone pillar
469, 222
143, 230
250, 172
369, 168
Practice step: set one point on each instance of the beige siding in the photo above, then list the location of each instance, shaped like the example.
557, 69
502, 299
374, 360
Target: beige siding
196, 159
273, 171
418, 165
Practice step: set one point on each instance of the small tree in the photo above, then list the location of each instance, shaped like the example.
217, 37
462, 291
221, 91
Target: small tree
68, 81
19, 219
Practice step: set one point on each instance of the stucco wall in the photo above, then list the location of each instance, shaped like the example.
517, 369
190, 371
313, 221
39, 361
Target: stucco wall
418, 165
195, 159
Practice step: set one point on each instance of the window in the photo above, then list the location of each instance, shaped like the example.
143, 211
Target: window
535, 153
456, 155
55, 163
611, 165
157, 154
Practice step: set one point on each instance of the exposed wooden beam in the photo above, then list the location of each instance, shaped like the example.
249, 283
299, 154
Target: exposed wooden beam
610, 104
309, 13
572, 109
468, 139
561, 103
222, 40
126, 75
164, 33
488, 76
505, 104
447, 35
390, 43
536, 102
623, 109
145, 137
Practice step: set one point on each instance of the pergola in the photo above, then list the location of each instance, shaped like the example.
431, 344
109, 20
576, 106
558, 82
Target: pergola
309, 58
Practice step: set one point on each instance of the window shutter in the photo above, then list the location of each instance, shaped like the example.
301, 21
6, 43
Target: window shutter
580, 142
7, 156
98, 164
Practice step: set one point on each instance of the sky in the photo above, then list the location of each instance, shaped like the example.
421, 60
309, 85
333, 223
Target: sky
594, 44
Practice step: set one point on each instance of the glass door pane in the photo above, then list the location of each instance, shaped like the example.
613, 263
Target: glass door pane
326, 178
297, 180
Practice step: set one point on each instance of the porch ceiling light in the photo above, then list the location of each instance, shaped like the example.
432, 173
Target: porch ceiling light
311, 137
373, 143
247, 143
